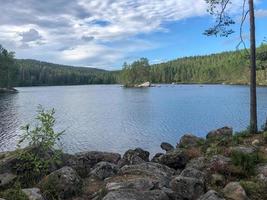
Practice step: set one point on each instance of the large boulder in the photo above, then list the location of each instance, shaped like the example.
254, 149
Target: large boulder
84, 161
189, 140
218, 164
225, 132
261, 171
211, 195
33, 193
134, 156
176, 159
235, 191
157, 173
199, 163
156, 157
187, 187
104, 170
243, 149
131, 182
61, 184
194, 173
129, 194
166, 146
6, 180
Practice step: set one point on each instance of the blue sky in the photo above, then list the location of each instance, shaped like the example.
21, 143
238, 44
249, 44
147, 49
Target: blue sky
106, 33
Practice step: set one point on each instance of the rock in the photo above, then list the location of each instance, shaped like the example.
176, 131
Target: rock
8, 162
33, 193
224, 132
189, 140
193, 173
261, 171
84, 161
143, 85
199, 163
176, 159
104, 170
211, 195
255, 142
133, 157
6, 180
128, 182
218, 164
166, 146
136, 195
235, 191
217, 180
158, 173
156, 157
61, 184
243, 149
187, 188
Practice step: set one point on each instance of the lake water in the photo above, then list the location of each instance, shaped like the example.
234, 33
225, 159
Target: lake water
112, 118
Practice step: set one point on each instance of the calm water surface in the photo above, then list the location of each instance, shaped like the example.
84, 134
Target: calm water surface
111, 118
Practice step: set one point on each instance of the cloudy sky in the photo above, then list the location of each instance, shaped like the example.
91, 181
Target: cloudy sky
105, 33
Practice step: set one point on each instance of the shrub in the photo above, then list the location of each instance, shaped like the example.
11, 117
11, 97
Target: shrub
255, 190
14, 193
247, 162
41, 154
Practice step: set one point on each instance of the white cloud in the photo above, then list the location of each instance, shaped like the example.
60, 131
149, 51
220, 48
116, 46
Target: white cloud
261, 13
96, 33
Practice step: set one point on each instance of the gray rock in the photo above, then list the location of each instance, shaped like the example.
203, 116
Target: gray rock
234, 190
156, 172
193, 173
211, 195
187, 188
33, 193
136, 195
166, 146
133, 157
176, 159
199, 163
156, 157
189, 140
217, 180
244, 149
84, 161
140, 184
62, 183
218, 163
104, 170
6, 180
225, 132
261, 171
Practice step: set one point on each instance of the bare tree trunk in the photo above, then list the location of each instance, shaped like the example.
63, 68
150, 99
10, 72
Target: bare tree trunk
253, 89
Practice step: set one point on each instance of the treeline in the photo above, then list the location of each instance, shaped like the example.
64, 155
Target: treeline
226, 67
34, 73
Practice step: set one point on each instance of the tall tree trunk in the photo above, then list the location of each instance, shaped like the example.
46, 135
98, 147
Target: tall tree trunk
253, 89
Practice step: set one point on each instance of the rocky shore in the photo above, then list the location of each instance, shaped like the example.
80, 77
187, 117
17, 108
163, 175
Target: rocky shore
221, 166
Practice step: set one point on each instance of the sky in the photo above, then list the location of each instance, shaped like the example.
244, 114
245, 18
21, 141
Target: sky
106, 33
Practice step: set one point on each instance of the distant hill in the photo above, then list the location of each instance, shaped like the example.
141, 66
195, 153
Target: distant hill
35, 73
226, 67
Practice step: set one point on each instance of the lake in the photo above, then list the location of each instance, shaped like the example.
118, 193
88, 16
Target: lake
112, 118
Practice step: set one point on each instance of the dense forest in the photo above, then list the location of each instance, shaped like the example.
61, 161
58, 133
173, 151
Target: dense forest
33, 73
226, 67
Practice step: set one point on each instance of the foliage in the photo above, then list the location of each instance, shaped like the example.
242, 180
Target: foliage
247, 162
135, 73
41, 154
14, 193
255, 190
7, 68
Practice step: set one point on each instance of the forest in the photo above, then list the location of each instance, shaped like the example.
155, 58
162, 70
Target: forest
227, 67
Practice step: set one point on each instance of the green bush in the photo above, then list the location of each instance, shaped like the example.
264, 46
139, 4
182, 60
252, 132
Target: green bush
14, 193
255, 190
41, 154
247, 162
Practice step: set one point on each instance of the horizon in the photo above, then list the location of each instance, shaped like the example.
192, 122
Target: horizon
105, 34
